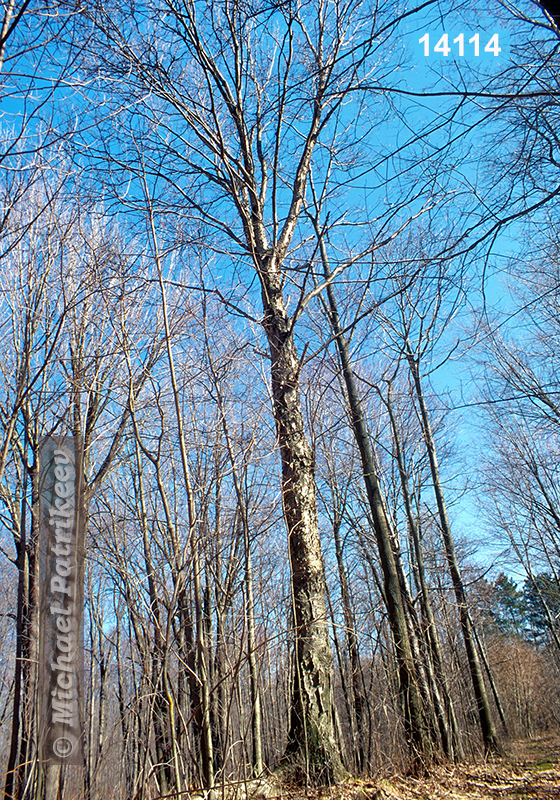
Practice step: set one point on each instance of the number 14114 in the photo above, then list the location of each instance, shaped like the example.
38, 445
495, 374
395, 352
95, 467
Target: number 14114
472, 45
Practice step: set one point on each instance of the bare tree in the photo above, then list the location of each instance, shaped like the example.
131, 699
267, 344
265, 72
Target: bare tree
239, 142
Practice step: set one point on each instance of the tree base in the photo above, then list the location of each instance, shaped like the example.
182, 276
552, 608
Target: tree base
314, 768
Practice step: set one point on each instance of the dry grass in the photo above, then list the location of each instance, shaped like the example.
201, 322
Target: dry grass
529, 771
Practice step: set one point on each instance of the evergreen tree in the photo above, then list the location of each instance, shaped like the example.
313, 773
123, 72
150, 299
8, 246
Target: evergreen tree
509, 612
541, 595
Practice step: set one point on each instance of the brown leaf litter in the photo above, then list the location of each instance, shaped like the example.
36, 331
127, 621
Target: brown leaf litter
530, 770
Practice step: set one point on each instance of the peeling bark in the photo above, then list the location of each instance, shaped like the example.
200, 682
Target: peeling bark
312, 747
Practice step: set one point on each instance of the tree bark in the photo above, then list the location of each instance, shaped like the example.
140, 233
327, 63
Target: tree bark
489, 736
11, 786
312, 747
450, 737
249, 603
416, 727
355, 689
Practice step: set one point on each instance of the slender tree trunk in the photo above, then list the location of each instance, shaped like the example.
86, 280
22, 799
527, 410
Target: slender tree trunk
249, 605
28, 767
256, 723
424, 674
207, 747
450, 739
162, 725
127, 759
486, 721
346, 689
11, 789
188, 627
357, 693
417, 729
103, 674
222, 692
491, 680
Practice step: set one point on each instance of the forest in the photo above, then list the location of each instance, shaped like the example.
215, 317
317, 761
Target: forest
280, 306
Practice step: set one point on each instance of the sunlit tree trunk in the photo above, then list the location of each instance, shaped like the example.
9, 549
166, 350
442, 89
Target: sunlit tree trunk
416, 723
357, 695
485, 714
449, 730
311, 739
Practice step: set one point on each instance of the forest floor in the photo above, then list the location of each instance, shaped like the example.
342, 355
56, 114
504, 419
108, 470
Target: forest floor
529, 770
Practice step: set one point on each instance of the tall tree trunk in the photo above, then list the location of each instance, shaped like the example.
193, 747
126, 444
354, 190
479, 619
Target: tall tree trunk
26, 768
357, 696
127, 759
491, 681
249, 604
256, 723
450, 738
485, 714
207, 746
11, 786
161, 719
190, 659
416, 726
312, 747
